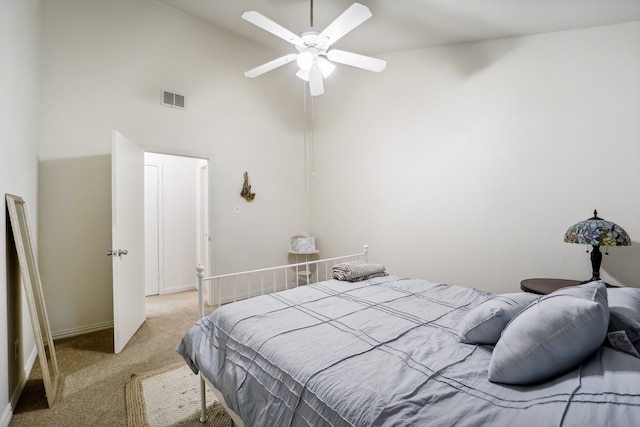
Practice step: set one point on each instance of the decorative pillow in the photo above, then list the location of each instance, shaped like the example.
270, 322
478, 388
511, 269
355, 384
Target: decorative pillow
484, 323
551, 335
624, 305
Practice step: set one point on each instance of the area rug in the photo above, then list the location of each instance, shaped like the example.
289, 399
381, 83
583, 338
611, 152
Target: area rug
170, 396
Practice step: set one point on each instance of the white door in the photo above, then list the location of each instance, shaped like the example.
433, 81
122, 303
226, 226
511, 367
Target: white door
151, 229
127, 180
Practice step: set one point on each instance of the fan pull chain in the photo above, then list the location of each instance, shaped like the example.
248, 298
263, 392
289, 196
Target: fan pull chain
313, 149
304, 99
309, 123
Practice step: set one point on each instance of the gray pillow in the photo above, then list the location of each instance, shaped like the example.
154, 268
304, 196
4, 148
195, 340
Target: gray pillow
624, 305
551, 335
484, 323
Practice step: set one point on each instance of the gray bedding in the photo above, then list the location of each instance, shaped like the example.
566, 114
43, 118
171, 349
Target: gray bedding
384, 353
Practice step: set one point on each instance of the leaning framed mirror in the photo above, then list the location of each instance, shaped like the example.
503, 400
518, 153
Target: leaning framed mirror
35, 297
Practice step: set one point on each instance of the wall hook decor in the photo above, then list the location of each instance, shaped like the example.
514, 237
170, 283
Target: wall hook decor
246, 189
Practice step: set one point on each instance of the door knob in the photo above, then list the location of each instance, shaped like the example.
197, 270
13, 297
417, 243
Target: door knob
119, 252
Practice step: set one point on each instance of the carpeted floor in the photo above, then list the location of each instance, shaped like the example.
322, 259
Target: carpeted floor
93, 378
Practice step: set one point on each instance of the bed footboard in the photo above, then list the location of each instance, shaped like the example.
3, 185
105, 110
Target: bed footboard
226, 288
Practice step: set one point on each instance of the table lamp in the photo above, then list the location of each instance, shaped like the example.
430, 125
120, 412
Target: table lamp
597, 232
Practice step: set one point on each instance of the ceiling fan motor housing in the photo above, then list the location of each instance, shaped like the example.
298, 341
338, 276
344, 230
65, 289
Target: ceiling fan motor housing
311, 39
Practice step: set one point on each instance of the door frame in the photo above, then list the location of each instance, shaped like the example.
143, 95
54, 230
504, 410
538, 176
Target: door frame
203, 238
160, 214
209, 242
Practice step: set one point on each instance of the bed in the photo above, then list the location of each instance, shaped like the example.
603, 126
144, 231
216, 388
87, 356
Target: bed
390, 351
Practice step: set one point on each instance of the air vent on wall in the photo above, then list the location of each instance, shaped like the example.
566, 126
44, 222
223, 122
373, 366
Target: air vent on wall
173, 100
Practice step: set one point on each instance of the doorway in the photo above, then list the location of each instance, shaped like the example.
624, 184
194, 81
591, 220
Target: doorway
176, 221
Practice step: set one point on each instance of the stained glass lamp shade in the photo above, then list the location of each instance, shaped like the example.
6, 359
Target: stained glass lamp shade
597, 232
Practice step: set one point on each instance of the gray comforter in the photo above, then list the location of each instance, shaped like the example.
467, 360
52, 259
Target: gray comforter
384, 353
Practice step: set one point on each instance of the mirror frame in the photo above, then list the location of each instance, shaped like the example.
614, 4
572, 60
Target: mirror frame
35, 297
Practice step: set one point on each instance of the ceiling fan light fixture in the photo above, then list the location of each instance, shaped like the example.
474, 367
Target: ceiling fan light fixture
305, 60
326, 67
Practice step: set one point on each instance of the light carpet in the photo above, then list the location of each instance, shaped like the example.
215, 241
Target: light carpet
170, 396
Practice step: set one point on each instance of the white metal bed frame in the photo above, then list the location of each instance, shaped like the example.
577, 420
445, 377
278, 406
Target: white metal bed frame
280, 278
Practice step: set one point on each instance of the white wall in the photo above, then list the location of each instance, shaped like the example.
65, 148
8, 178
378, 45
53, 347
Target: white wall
75, 233
19, 86
467, 164
104, 65
179, 185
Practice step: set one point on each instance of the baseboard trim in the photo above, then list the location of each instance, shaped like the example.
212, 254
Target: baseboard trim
67, 333
7, 414
174, 289
22, 383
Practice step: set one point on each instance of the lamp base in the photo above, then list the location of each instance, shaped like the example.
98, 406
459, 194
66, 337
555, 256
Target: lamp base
596, 260
594, 279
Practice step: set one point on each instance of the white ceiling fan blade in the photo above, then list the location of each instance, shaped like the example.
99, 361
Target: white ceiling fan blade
356, 60
274, 28
278, 62
316, 83
350, 19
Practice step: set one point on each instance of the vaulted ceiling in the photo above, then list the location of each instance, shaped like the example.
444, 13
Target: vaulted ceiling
409, 24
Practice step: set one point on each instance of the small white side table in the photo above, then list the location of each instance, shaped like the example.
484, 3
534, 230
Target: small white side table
306, 272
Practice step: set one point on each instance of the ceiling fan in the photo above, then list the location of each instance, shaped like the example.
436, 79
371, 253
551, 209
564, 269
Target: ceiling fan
315, 59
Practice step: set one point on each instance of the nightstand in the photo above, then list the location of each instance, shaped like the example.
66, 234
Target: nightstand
306, 273
542, 286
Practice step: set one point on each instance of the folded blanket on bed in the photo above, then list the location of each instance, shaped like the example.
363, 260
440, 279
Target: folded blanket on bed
357, 271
